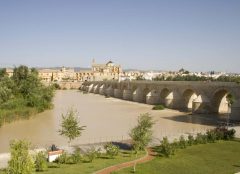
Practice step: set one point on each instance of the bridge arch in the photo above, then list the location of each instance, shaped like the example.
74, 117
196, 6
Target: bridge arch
140, 94
166, 97
219, 101
146, 92
153, 97
189, 95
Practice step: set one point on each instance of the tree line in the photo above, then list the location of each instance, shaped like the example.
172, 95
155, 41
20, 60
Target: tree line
188, 77
23, 94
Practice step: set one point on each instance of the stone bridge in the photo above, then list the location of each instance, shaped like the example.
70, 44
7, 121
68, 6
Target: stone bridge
198, 97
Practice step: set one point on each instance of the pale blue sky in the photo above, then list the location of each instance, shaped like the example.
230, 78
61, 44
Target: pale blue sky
199, 35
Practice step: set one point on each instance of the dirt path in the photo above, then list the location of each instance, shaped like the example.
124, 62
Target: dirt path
148, 157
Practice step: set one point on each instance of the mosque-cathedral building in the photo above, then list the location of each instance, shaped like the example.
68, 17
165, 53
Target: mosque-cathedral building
98, 72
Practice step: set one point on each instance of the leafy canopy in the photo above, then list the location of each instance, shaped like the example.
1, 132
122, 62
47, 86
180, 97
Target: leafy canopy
70, 127
142, 133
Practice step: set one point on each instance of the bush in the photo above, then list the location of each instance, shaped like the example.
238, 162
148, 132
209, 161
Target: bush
56, 86
111, 150
41, 162
224, 133
76, 156
21, 162
66, 158
62, 159
92, 154
158, 107
229, 134
166, 149
190, 140
211, 136
182, 142
201, 139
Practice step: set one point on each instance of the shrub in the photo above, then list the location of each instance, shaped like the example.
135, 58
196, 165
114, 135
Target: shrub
219, 133
111, 150
182, 142
158, 107
21, 162
92, 154
199, 138
166, 149
76, 156
224, 133
229, 134
211, 136
175, 143
56, 86
62, 159
190, 140
41, 162
66, 158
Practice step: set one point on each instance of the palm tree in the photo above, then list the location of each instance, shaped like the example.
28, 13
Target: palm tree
230, 101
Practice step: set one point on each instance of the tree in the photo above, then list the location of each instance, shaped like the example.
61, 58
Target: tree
141, 134
20, 73
21, 162
230, 101
70, 127
3, 72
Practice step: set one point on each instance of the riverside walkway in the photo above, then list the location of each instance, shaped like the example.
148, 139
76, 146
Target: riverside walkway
148, 157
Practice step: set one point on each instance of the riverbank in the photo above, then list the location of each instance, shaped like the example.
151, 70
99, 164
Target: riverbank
8, 116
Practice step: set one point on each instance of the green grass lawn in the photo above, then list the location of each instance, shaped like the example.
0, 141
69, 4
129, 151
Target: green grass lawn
217, 158
97, 164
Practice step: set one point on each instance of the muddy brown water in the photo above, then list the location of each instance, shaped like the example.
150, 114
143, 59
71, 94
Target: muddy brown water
105, 119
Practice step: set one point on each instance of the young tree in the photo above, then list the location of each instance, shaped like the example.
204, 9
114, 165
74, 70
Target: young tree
21, 162
70, 127
142, 133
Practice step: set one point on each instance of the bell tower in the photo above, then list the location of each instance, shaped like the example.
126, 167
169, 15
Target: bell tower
93, 63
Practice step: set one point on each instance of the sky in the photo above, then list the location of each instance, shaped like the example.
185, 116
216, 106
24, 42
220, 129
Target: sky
197, 35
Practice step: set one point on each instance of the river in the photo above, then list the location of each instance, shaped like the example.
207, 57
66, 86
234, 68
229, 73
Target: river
105, 119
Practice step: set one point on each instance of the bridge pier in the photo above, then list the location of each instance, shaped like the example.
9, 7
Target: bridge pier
118, 93
152, 98
110, 91
127, 94
102, 90
201, 105
168, 101
90, 89
138, 96
235, 110
96, 89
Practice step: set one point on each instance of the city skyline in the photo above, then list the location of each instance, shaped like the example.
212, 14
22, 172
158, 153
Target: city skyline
145, 35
